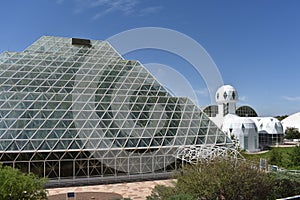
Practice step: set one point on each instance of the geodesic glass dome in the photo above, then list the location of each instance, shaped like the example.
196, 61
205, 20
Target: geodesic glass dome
74, 109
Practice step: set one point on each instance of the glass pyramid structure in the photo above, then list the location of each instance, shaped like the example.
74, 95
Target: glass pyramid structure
74, 109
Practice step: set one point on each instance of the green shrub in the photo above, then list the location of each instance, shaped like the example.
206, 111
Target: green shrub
182, 197
161, 192
295, 156
15, 185
227, 179
285, 184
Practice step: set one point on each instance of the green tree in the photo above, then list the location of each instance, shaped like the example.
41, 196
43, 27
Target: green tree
15, 185
292, 133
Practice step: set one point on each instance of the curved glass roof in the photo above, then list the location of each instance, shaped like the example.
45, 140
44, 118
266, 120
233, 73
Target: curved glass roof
246, 111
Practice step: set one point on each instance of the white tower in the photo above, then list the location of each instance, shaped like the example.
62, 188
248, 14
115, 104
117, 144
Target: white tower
226, 98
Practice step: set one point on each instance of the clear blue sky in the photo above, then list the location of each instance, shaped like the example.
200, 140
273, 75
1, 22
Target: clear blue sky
255, 44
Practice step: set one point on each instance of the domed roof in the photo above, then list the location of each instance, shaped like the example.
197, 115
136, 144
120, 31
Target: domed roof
238, 125
226, 94
292, 121
234, 119
241, 129
246, 111
268, 125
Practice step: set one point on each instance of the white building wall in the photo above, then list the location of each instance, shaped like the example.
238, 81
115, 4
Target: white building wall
243, 130
292, 121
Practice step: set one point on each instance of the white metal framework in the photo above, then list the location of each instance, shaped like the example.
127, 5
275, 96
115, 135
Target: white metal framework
196, 154
75, 109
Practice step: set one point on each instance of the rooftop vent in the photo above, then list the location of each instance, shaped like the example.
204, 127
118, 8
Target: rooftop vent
78, 41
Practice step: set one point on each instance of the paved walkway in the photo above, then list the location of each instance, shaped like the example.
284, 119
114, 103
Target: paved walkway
133, 190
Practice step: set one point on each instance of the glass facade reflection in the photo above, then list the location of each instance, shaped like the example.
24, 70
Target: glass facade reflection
75, 109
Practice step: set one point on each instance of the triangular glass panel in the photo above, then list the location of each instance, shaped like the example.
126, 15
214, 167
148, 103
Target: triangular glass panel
13, 147
35, 144
44, 146
29, 146
59, 145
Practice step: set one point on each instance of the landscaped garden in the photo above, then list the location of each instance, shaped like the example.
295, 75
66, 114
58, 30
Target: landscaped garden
228, 179
284, 157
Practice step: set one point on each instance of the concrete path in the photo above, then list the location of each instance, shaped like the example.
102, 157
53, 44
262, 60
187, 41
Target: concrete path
133, 190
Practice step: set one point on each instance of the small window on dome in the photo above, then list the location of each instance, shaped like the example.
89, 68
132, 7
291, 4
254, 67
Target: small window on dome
243, 128
233, 95
225, 95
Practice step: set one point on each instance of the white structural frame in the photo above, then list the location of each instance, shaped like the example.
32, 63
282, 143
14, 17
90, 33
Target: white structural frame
198, 154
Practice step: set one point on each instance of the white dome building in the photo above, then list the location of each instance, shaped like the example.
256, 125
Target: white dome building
250, 131
243, 130
268, 124
270, 130
292, 121
226, 94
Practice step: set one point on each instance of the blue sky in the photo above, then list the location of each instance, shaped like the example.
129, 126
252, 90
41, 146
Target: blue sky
255, 44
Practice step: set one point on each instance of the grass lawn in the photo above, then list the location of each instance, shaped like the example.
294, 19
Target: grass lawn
282, 153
